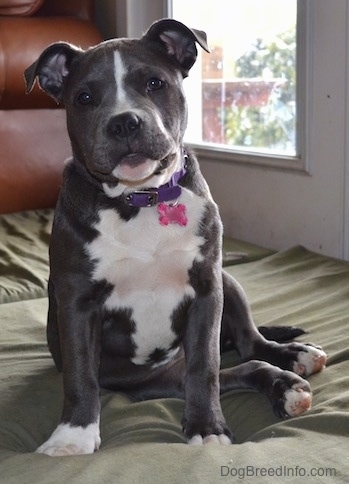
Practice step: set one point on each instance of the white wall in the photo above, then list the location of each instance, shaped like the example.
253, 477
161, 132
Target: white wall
127, 18
275, 208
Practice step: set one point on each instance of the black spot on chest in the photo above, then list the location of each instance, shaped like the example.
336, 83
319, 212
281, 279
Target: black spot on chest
180, 317
118, 327
157, 356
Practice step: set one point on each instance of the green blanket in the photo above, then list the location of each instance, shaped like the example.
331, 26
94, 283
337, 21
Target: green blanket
143, 442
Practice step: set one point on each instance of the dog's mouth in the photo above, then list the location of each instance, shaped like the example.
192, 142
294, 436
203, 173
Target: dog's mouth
135, 169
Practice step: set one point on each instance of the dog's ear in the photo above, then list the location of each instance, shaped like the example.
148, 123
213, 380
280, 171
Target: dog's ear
179, 41
51, 69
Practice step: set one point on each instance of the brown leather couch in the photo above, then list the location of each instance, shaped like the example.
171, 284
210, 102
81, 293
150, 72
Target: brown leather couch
33, 138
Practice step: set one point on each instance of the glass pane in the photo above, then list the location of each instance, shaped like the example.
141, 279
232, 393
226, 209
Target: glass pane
247, 98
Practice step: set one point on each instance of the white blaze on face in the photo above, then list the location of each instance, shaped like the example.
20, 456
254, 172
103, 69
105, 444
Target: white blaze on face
128, 171
124, 103
119, 73
137, 169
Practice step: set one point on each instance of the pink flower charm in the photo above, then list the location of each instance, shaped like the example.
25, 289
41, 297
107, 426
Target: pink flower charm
172, 214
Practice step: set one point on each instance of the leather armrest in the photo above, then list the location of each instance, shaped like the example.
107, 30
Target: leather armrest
82, 9
18, 51
19, 7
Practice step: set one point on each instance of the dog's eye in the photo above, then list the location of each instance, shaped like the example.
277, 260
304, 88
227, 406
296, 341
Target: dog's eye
84, 98
154, 84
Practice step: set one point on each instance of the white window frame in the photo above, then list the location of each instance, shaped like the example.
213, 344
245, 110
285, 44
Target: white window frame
299, 162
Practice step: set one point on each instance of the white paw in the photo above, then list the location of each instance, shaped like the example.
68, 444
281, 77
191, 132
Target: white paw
297, 400
221, 439
312, 360
69, 440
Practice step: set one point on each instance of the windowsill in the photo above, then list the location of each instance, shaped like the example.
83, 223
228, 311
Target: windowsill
244, 157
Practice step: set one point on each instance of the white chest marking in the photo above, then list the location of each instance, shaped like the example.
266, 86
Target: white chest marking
148, 265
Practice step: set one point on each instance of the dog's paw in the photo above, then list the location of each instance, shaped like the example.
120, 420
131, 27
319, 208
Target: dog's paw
221, 439
204, 431
297, 400
291, 395
302, 359
69, 440
310, 359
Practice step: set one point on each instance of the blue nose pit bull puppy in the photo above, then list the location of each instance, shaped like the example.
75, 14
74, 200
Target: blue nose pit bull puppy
138, 301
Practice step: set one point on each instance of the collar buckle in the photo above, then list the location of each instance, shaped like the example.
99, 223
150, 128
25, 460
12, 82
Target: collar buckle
150, 198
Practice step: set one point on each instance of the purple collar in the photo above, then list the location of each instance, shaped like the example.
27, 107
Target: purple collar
152, 196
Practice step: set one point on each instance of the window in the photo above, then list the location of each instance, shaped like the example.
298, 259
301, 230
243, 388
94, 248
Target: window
249, 101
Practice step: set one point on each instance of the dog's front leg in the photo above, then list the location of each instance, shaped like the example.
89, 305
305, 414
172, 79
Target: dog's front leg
78, 431
203, 421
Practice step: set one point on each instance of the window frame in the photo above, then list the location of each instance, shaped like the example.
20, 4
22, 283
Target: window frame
300, 161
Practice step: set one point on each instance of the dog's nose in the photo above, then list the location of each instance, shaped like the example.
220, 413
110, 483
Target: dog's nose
124, 125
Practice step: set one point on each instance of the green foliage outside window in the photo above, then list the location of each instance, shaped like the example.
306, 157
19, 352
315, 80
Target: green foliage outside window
270, 126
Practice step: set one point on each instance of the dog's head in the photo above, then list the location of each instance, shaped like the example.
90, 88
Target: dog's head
126, 111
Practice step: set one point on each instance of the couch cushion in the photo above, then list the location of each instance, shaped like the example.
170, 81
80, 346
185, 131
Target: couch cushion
19, 7
33, 147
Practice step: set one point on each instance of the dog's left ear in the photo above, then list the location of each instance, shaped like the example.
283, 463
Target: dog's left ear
179, 41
